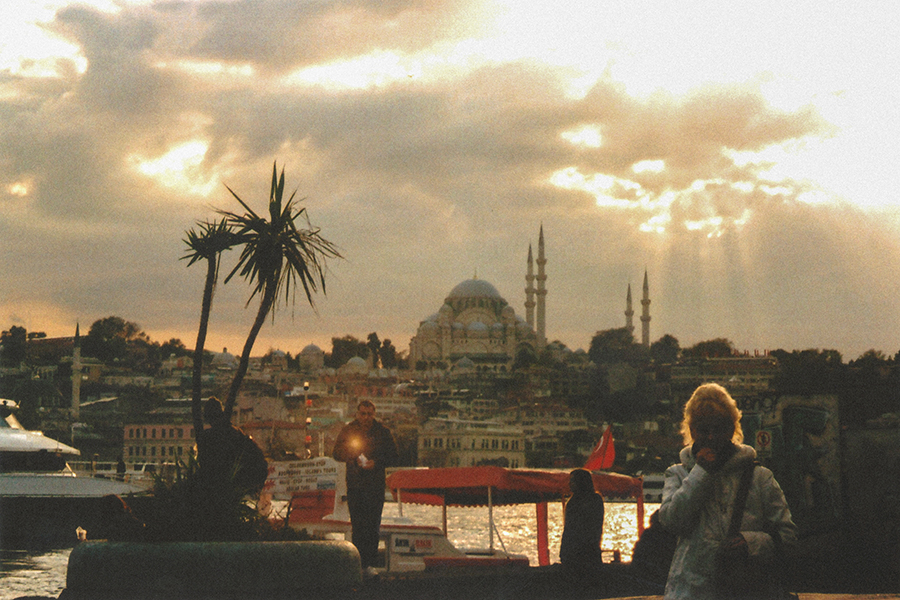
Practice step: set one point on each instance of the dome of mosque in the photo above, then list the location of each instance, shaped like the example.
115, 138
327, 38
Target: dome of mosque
356, 362
475, 288
311, 349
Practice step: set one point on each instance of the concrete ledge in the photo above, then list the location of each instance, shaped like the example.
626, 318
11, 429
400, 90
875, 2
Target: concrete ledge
214, 569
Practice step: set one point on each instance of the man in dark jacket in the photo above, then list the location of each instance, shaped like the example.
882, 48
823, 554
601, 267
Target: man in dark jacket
367, 447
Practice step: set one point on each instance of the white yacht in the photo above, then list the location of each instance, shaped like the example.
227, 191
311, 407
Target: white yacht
42, 501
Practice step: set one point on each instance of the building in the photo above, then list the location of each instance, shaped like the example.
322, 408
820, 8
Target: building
475, 322
461, 443
478, 324
159, 442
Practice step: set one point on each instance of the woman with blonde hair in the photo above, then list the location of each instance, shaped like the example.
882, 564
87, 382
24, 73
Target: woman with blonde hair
699, 499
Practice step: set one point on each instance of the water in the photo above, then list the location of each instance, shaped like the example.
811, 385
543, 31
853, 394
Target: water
43, 573
30, 573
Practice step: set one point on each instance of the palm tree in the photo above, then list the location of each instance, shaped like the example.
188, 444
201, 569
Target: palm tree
206, 243
276, 255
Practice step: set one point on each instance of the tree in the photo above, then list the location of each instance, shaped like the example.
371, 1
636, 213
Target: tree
276, 257
207, 243
343, 349
13, 343
525, 357
374, 345
665, 350
616, 345
109, 339
810, 371
388, 354
716, 348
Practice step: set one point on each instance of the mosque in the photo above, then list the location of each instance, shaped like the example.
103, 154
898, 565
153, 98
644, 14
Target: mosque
477, 324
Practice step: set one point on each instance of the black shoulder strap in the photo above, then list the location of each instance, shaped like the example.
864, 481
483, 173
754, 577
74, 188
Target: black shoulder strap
740, 500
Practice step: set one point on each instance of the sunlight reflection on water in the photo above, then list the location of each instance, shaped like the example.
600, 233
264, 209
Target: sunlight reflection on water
468, 527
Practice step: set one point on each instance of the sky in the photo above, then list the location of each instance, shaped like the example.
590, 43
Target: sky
743, 154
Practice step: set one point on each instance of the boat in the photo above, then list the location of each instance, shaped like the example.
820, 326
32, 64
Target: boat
315, 491
42, 500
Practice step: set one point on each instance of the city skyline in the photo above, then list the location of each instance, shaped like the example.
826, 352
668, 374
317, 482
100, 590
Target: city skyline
742, 155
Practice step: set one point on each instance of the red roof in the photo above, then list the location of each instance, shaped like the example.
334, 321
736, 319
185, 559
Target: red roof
467, 486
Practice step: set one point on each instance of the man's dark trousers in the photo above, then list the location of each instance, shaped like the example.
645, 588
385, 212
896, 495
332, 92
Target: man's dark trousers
365, 507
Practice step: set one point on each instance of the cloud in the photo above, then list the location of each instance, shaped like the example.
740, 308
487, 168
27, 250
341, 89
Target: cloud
420, 181
285, 35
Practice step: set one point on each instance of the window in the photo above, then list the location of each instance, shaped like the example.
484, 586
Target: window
153, 433
180, 433
180, 448
494, 444
162, 432
130, 450
130, 432
152, 450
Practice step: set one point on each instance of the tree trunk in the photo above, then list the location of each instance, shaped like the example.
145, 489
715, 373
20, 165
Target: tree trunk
197, 373
265, 305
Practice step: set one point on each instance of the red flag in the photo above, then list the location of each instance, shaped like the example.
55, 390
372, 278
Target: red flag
604, 455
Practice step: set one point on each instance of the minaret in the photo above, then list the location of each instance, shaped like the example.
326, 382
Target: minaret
629, 312
645, 313
76, 375
541, 294
529, 290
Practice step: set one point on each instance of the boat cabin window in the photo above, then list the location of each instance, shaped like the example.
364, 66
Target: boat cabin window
12, 462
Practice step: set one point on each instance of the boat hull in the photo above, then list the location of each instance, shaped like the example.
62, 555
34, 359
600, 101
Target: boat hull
40, 510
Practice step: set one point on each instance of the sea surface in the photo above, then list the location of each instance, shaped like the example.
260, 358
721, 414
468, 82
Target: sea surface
43, 573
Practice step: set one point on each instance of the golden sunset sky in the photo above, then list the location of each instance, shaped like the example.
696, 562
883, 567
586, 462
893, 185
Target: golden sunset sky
744, 153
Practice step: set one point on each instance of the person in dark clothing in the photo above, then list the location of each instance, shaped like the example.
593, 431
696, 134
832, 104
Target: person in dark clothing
231, 466
367, 447
579, 550
653, 552
227, 456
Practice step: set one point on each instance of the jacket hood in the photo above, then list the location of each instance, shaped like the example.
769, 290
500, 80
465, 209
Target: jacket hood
742, 456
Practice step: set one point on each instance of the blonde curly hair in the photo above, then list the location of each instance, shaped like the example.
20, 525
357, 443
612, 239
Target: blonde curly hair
711, 398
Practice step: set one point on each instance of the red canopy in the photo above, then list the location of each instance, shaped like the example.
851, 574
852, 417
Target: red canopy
467, 486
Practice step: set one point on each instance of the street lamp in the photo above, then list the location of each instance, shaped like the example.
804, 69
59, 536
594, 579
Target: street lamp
307, 421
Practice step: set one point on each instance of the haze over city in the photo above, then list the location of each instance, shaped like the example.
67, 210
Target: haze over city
744, 154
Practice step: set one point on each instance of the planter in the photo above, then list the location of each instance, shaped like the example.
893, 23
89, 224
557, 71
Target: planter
212, 569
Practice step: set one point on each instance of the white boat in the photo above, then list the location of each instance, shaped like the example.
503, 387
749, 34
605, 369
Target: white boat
42, 500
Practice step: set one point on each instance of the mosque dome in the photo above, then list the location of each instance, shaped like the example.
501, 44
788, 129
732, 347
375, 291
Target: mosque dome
473, 322
356, 365
474, 288
311, 349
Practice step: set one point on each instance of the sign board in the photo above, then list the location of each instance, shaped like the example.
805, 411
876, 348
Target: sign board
763, 442
286, 478
413, 545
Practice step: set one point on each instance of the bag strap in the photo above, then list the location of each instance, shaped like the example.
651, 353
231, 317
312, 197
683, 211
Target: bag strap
740, 500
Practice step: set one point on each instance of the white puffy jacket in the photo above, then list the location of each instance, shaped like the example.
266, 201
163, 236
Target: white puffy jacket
697, 507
